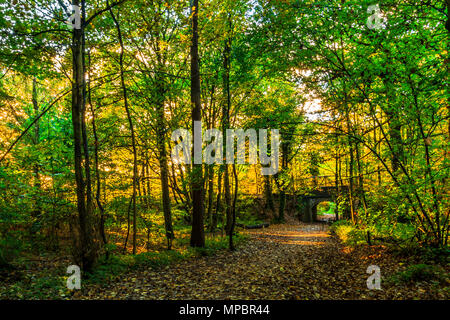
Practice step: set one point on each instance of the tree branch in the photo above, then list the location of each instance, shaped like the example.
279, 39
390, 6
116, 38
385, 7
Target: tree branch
108, 7
34, 121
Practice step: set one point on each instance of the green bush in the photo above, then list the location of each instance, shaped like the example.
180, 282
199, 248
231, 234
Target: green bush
10, 248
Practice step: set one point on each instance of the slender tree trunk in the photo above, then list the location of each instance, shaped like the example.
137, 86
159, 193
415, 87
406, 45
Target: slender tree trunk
187, 195
394, 123
336, 180
233, 218
143, 178
435, 196
87, 252
282, 205
447, 23
225, 126
130, 122
87, 161
210, 193
164, 174
217, 209
351, 158
128, 225
97, 170
37, 180
161, 138
282, 186
269, 194
361, 191
396, 139
147, 170
177, 192
378, 148
197, 234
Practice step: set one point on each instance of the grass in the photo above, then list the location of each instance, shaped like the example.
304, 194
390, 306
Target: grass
418, 273
43, 285
47, 280
107, 270
348, 233
326, 208
391, 235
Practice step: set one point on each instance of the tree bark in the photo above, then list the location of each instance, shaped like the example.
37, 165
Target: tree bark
87, 253
37, 181
210, 193
268, 193
130, 122
225, 126
164, 171
197, 233
233, 218
216, 212
97, 170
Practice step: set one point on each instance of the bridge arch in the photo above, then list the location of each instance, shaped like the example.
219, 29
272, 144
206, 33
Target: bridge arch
308, 208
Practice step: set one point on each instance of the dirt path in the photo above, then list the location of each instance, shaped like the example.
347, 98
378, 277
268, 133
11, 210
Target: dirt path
281, 262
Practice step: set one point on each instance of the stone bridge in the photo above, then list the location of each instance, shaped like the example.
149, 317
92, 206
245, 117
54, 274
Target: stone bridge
320, 192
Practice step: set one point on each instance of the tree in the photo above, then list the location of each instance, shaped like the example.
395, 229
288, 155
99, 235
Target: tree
88, 252
197, 234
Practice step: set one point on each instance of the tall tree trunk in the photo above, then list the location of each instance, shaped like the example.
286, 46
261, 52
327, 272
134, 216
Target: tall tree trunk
143, 177
378, 149
233, 218
87, 253
396, 139
124, 250
37, 180
336, 181
393, 120
351, 157
216, 212
269, 194
147, 170
197, 233
361, 191
161, 136
282, 187
164, 173
130, 122
97, 170
225, 126
210, 193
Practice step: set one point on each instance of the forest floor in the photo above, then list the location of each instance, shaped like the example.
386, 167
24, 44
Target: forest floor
289, 261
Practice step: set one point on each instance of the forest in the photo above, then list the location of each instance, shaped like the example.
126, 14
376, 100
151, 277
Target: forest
224, 149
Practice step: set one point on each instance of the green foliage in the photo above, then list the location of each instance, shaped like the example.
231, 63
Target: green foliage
420, 272
348, 233
245, 212
326, 208
45, 287
10, 248
108, 269
382, 117
216, 244
421, 253
339, 223
160, 259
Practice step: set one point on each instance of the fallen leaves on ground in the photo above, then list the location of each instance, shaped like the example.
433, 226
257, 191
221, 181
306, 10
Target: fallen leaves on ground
295, 261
